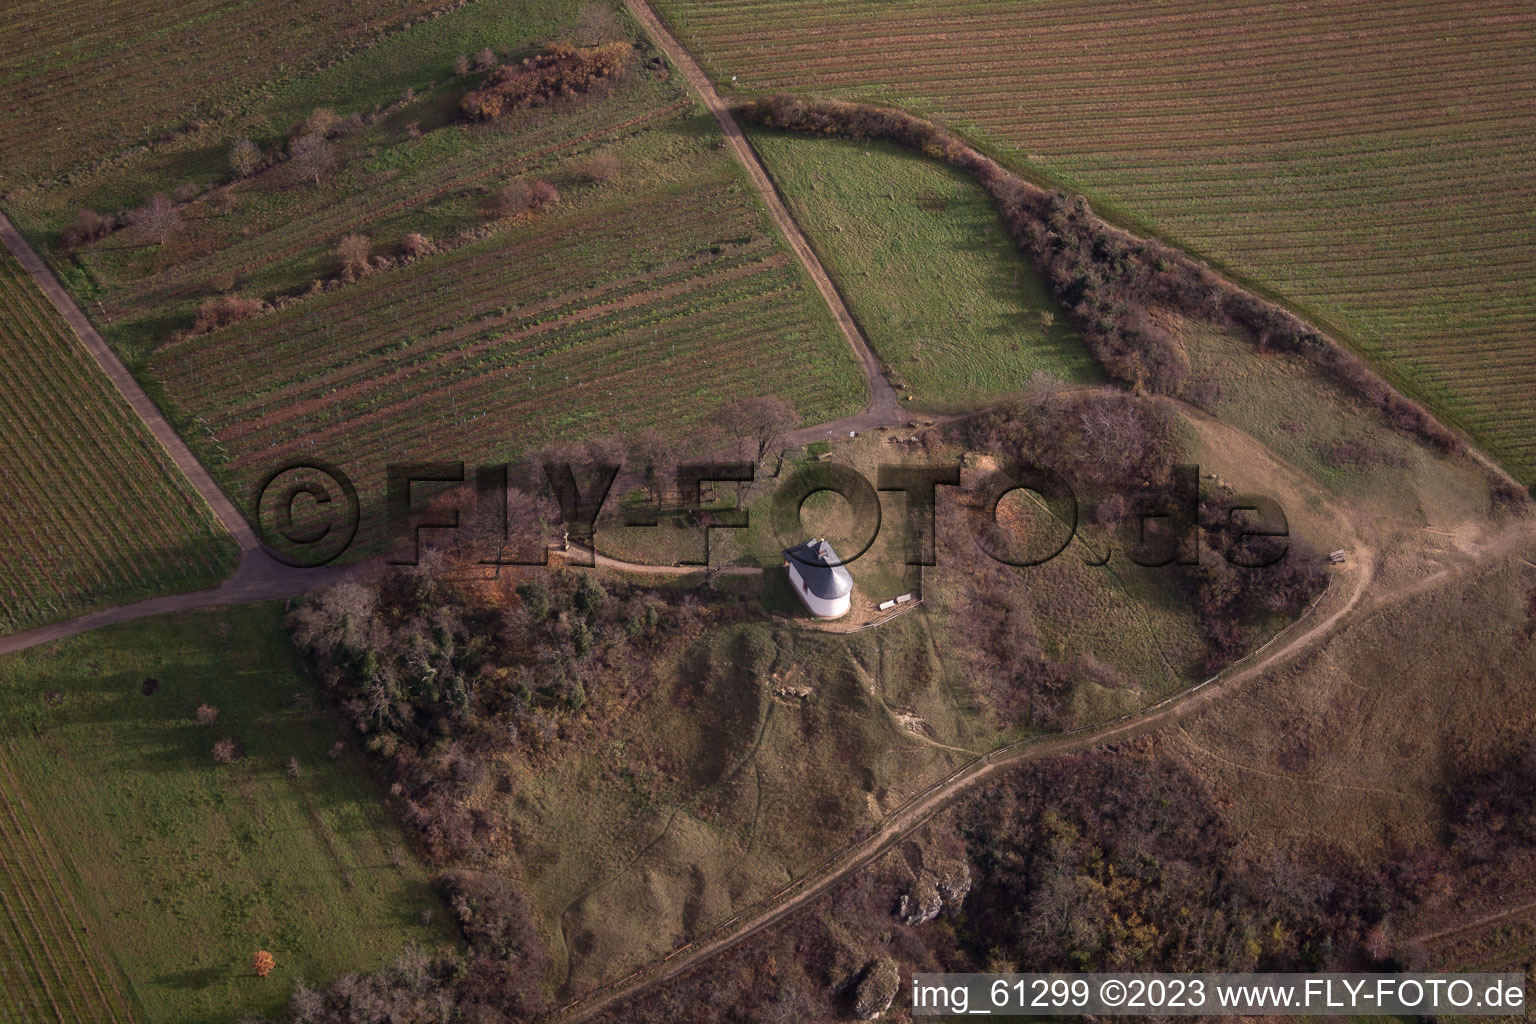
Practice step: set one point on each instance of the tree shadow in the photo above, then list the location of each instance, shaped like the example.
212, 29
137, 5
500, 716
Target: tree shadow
192, 980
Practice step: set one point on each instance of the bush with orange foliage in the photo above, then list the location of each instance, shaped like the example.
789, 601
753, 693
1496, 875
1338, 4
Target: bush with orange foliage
561, 70
263, 963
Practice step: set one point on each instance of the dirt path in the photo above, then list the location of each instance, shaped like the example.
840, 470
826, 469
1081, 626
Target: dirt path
884, 408
1477, 923
1343, 596
258, 578
125, 383
645, 569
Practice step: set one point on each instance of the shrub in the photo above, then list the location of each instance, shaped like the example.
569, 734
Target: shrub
224, 310
508, 201
461, 65
485, 59
87, 226
415, 244
562, 70
352, 254
207, 714
493, 915
322, 121
598, 167
542, 196
227, 751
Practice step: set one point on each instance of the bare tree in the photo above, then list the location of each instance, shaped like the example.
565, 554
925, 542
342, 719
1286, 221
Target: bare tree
759, 424
244, 158
352, 254
600, 166
485, 59
510, 200
87, 226
157, 219
310, 156
461, 65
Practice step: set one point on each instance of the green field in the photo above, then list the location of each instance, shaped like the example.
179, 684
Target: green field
650, 309
1367, 163
123, 837
918, 253
95, 512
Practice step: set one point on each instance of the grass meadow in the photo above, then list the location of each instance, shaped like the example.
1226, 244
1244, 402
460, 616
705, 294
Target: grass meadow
716, 792
169, 868
919, 255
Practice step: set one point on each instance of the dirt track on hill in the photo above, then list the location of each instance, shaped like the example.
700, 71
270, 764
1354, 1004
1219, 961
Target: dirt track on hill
1350, 595
1337, 603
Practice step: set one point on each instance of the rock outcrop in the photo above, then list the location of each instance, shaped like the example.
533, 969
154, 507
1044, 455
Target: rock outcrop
932, 894
923, 903
877, 989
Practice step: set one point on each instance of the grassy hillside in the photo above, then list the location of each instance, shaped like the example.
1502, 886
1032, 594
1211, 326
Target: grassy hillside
918, 253
124, 837
95, 512
1363, 161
